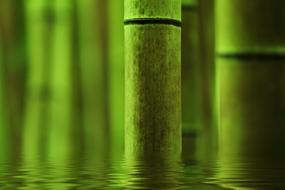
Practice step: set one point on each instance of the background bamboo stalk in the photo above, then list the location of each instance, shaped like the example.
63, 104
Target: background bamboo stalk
76, 81
250, 75
251, 84
61, 107
39, 32
3, 127
207, 58
208, 142
116, 72
2, 110
12, 30
191, 68
152, 79
93, 68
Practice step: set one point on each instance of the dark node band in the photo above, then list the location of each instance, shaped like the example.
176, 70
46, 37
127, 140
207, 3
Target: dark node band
142, 21
252, 55
189, 7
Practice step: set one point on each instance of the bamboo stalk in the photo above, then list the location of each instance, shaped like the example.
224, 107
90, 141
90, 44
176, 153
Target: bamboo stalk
76, 80
39, 35
116, 72
191, 68
92, 60
207, 55
12, 29
250, 75
12, 35
4, 146
2, 110
61, 105
3, 126
152, 77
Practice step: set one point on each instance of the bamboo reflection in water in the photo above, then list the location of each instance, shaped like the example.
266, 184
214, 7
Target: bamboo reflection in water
4, 140
38, 29
154, 173
62, 119
39, 35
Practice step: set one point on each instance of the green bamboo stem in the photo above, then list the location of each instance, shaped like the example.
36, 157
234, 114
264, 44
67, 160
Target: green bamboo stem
254, 88
116, 72
60, 108
3, 126
152, 79
2, 110
207, 58
13, 68
259, 31
38, 25
92, 78
191, 68
76, 80
12, 30
4, 147
250, 75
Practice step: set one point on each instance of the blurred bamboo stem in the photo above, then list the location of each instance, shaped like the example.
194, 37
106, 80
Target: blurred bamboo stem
93, 60
38, 34
250, 75
207, 55
61, 107
191, 68
3, 127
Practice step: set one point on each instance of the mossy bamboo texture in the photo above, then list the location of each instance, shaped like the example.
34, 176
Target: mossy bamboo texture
250, 76
152, 78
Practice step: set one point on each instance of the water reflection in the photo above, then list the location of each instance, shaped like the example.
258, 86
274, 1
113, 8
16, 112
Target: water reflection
199, 168
102, 169
154, 174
